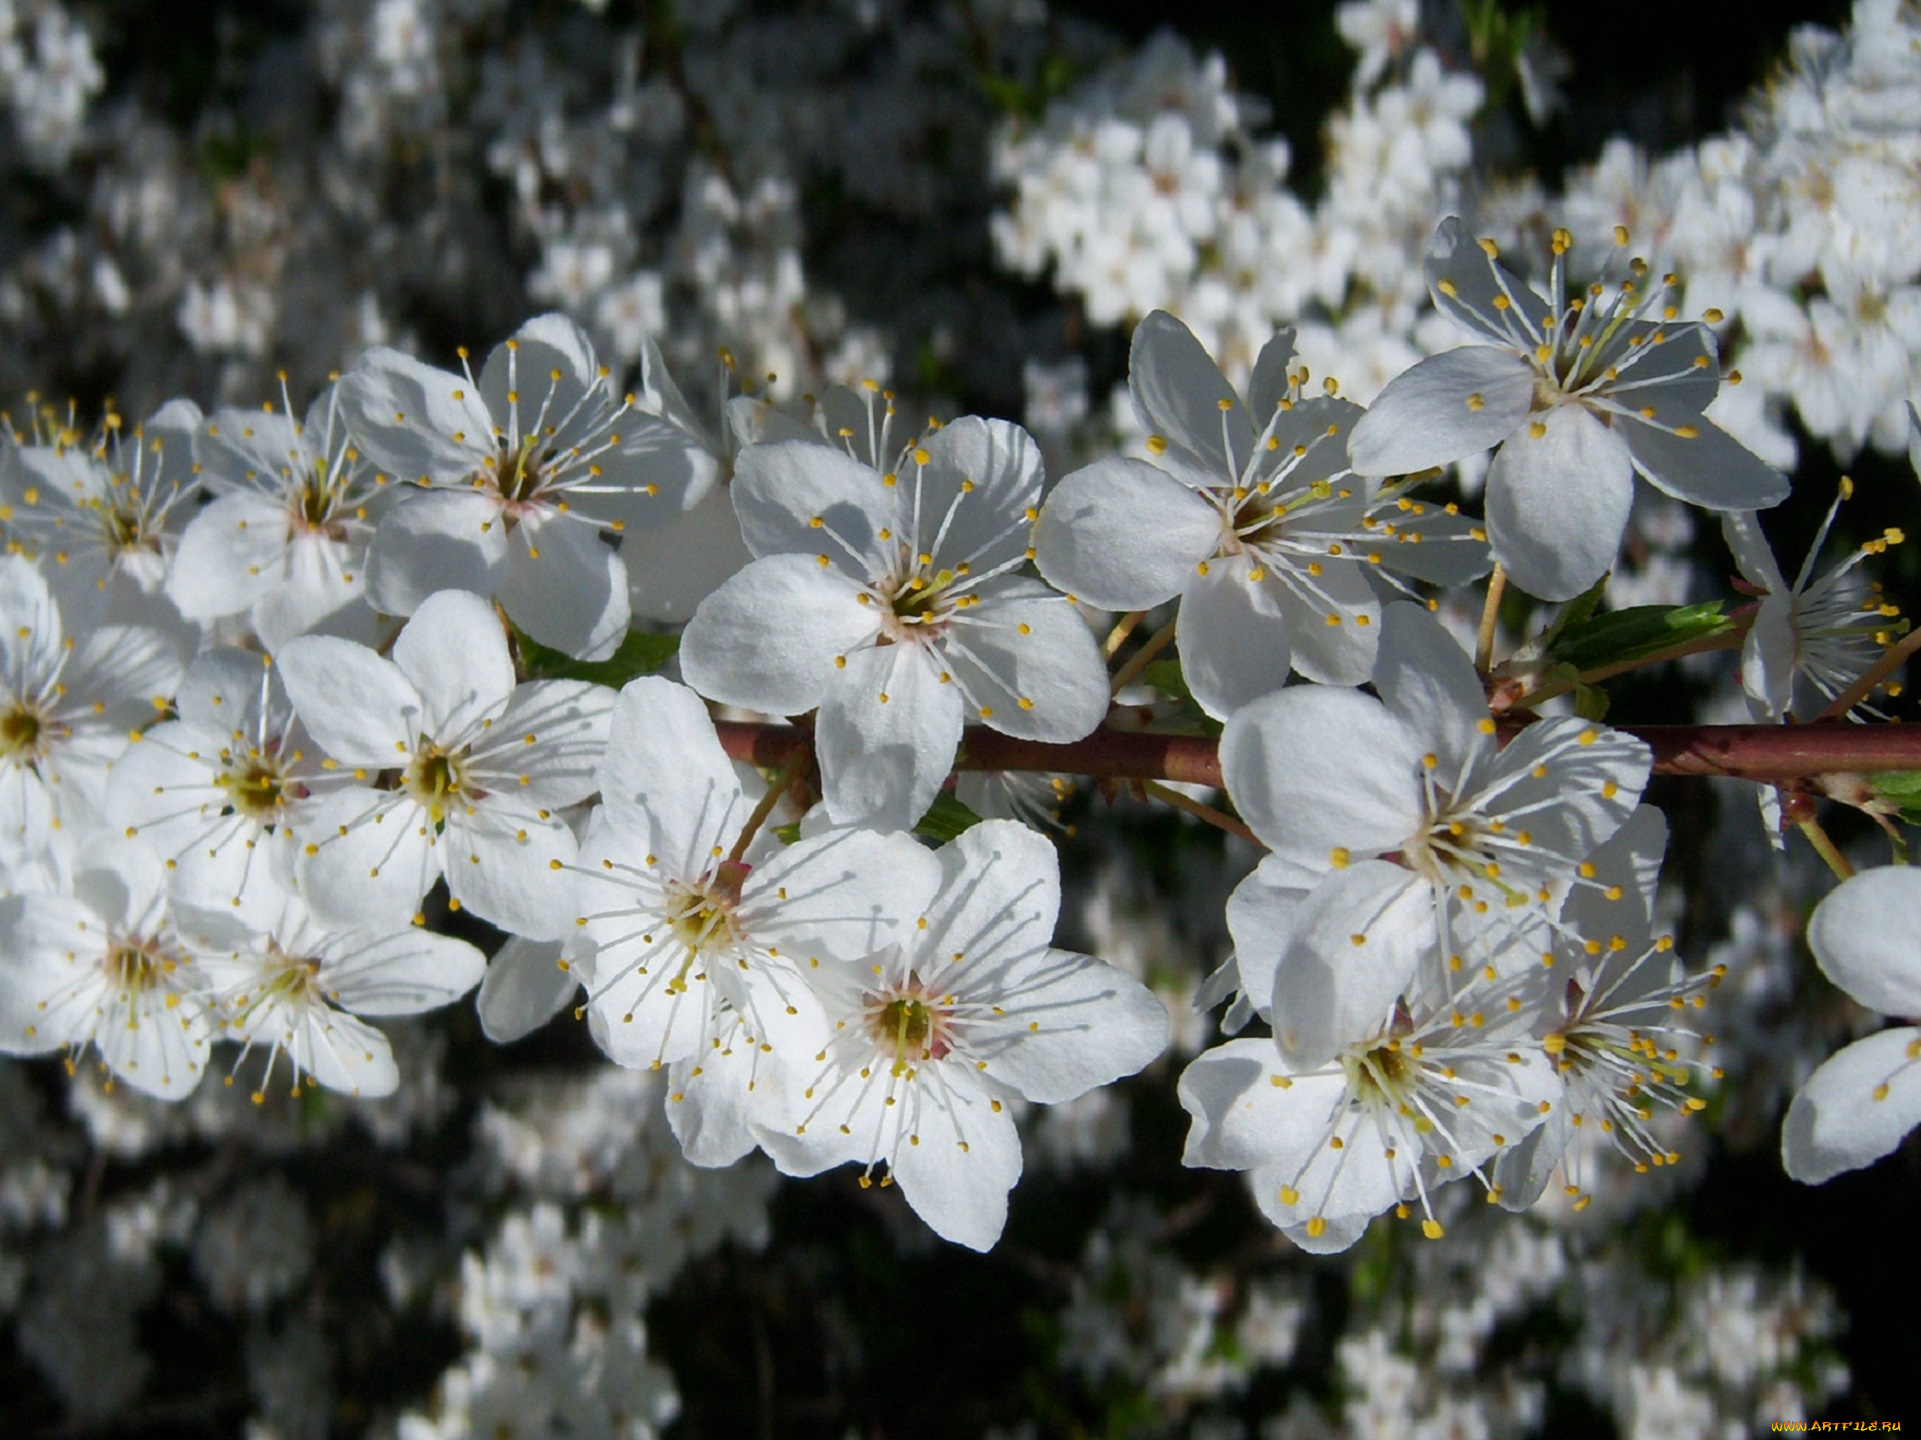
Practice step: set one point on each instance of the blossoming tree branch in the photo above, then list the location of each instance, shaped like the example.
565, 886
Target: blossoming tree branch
272, 678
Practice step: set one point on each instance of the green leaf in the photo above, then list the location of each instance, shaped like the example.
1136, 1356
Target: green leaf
1902, 790
946, 819
1624, 636
639, 654
1578, 610
1166, 677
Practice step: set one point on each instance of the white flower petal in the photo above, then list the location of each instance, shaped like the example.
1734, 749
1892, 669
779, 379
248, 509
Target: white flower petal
526, 985
1355, 944
666, 777
1427, 680
1558, 501
658, 471
500, 860
1569, 785
1522, 1171
36, 935
1000, 894
340, 1052
1235, 643
1123, 535
248, 450
886, 736
432, 541
1867, 936
1269, 384
956, 1165
780, 490
1334, 622
127, 671
455, 654
1250, 1109
843, 894
30, 638
711, 1097
367, 857
565, 588
1709, 467
767, 639
406, 417
356, 705
543, 374
988, 474
1844, 1118
318, 591
1314, 768
232, 553
1449, 406
1436, 547
547, 745
673, 567
636, 1019
1071, 1023
1631, 859
1180, 395
399, 972
1753, 556
1028, 663
1772, 648
1467, 282
1674, 369
1260, 918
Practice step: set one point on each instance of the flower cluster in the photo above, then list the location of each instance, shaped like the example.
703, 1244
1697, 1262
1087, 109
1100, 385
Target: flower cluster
732, 746
244, 841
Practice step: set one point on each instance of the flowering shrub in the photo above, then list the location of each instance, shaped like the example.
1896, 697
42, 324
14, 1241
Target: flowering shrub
742, 734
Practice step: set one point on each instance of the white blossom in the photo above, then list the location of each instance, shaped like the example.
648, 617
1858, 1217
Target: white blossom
476, 767
934, 1034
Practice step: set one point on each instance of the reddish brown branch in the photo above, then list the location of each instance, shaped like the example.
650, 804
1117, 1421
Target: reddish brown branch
1746, 752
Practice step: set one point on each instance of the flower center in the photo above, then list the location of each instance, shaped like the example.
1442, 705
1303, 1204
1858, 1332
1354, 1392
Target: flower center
701, 914
1382, 1074
1452, 847
517, 472
290, 979
434, 777
910, 1026
316, 504
255, 790
135, 966
20, 734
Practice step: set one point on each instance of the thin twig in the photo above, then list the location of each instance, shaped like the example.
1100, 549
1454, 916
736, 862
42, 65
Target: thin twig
1138, 661
1825, 848
1770, 753
1123, 627
1875, 674
790, 769
1490, 616
1216, 818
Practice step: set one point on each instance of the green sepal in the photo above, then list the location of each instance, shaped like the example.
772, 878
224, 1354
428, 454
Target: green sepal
1590, 702
946, 818
787, 834
639, 654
